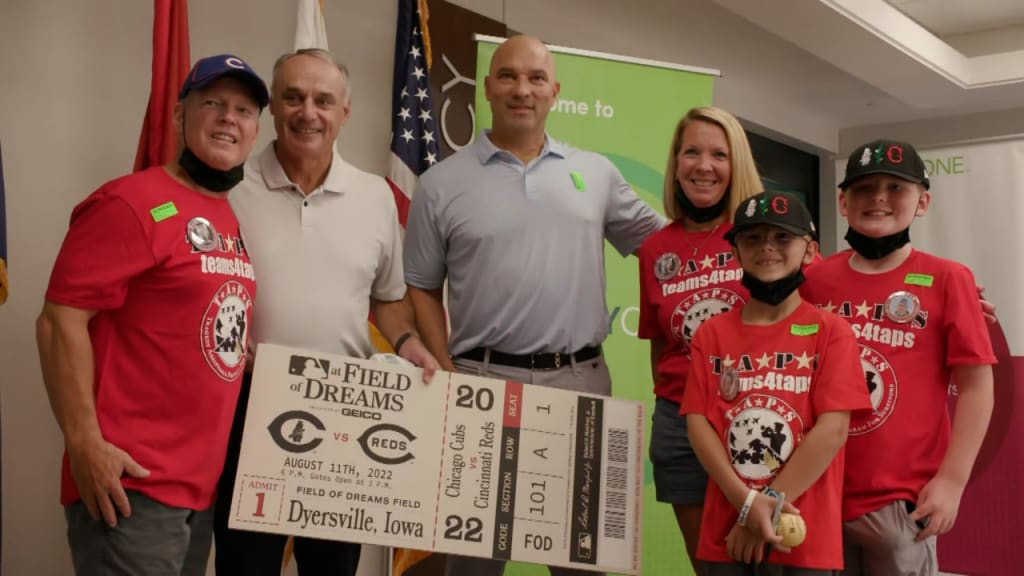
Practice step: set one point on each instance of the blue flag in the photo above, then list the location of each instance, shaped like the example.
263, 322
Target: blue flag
3, 235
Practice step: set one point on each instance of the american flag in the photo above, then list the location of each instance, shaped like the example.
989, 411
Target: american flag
414, 134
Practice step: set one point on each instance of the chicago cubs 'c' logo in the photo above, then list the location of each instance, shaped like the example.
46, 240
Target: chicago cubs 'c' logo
224, 330
701, 305
291, 431
882, 388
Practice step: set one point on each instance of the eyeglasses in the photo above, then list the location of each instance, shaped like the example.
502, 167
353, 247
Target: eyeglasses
779, 239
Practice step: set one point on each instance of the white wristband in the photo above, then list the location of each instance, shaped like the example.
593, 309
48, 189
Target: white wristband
745, 511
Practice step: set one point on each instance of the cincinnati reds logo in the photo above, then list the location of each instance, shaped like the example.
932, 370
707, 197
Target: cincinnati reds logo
224, 330
894, 154
694, 310
763, 431
882, 388
780, 204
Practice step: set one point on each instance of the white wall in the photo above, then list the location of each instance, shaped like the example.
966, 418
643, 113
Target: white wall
75, 85
935, 132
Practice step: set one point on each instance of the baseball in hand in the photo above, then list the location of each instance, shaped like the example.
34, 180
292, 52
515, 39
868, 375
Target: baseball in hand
792, 529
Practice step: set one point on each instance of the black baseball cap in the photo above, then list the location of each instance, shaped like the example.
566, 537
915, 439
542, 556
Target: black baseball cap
885, 157
780, 209
208, 69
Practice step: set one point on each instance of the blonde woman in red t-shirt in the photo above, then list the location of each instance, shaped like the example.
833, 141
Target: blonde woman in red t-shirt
688, 274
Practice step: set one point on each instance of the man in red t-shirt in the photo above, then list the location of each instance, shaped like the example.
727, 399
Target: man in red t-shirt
142, 338
920, 329
768, 400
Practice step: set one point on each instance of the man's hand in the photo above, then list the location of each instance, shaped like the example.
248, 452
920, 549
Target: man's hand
938, 504
97, 467
414, 351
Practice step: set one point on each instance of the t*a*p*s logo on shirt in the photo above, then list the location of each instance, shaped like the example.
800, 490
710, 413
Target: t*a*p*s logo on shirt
692, 311
225, 329
762, 433
882, 389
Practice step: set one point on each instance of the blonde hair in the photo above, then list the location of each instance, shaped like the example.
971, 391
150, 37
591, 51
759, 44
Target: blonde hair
744, 181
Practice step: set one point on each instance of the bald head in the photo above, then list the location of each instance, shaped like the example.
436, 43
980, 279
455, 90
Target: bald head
521, 88
523, 47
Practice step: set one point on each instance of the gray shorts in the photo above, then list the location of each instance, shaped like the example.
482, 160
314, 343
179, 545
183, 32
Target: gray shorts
156, 540
882, 542
678, 476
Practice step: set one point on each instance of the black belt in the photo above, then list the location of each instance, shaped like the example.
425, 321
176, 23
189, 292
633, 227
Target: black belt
539, 361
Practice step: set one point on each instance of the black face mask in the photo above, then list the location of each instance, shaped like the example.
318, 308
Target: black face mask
697, 214
877, 248
772, 293
210, 178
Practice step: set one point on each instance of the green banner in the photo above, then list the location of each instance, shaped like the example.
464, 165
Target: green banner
625, 109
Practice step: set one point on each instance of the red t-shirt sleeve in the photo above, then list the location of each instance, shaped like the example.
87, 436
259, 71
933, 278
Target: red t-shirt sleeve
967, 338
695, 398
648, 328
105, 248
839, 383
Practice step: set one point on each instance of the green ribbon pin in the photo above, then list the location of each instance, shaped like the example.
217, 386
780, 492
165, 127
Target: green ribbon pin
577, 180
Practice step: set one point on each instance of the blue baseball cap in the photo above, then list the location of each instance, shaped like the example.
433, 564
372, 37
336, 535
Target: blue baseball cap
211, 68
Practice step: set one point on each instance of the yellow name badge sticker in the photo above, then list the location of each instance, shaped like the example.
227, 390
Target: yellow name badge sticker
163, 211
803, 329
925, 280
577, 180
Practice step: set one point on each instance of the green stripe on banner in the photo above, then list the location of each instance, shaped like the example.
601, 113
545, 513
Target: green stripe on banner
626, 110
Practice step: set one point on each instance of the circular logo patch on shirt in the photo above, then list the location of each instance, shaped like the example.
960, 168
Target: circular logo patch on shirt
882, 388
902, 306
667, 266
698, 307
763, 431
201, 234
225, 328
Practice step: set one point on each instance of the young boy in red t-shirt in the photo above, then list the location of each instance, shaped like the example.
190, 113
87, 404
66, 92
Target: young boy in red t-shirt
919, 328
768, 402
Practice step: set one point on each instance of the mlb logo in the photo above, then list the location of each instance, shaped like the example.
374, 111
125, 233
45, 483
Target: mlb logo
584, 546
309, 367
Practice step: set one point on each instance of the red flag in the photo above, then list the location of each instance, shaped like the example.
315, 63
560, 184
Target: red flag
158, 142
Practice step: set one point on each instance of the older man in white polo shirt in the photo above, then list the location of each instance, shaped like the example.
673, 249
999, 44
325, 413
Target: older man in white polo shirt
324, 239
517, 223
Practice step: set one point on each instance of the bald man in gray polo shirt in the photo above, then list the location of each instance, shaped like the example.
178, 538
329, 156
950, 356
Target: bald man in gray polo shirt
516, 222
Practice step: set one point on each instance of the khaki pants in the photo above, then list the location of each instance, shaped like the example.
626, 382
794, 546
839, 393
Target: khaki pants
882, 542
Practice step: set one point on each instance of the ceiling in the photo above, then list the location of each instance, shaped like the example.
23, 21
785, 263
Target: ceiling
934, 57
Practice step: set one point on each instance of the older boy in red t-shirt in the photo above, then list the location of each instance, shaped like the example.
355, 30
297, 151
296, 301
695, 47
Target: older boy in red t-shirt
919, 328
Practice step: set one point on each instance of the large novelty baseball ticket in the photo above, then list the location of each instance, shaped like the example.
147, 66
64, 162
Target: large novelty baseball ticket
363, 451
